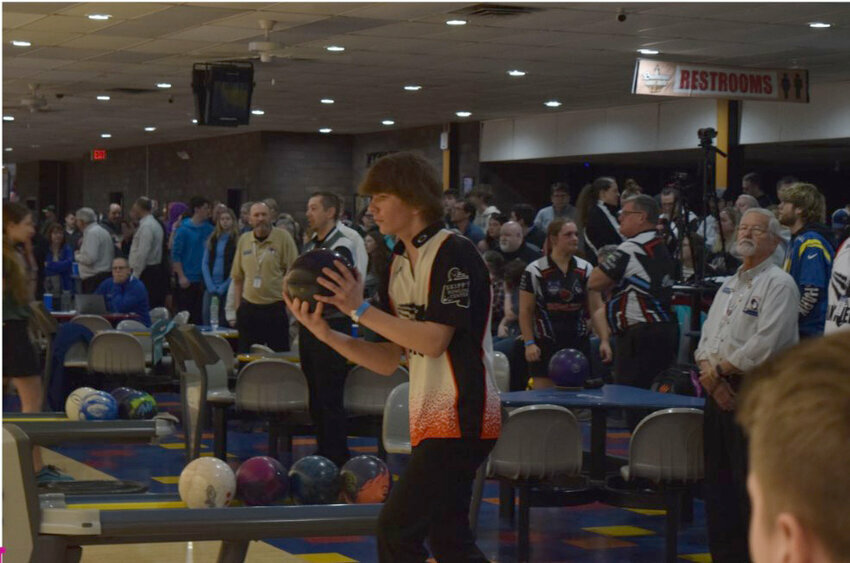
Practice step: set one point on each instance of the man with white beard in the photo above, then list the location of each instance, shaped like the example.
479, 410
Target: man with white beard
753, 317
512, 245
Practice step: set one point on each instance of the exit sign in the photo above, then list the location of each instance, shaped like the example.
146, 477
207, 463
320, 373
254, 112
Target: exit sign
98, 154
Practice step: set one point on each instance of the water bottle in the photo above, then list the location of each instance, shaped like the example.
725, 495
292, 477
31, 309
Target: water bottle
214, 312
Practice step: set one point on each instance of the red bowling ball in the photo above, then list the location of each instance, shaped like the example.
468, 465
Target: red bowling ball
261, 481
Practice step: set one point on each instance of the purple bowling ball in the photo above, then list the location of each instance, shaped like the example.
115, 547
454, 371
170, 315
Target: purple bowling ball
301, 281
569, 368
261, 480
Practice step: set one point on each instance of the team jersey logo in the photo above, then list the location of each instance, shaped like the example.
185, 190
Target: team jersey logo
456, 289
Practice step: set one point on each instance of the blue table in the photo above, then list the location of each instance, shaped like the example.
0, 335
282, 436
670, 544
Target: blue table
599, 401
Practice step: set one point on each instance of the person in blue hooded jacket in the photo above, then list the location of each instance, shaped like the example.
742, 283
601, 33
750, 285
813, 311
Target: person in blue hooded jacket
809, 257
124, 293
187, 256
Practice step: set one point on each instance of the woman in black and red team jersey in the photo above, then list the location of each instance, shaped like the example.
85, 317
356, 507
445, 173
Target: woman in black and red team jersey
438, 314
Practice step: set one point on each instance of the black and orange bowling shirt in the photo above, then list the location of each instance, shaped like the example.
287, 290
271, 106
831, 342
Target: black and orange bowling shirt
453, 395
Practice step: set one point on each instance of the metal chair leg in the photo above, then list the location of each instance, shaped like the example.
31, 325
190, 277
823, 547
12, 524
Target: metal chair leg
523, 543
673, 500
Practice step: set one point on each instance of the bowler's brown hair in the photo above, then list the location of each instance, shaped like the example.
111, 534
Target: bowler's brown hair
409, 177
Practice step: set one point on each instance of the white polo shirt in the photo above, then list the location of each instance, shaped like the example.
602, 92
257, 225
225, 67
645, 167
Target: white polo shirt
753, 317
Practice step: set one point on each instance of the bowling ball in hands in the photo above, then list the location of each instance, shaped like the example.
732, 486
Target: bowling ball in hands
301, 281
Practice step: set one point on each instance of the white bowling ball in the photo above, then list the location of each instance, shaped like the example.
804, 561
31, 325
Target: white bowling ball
207, 482
75, 400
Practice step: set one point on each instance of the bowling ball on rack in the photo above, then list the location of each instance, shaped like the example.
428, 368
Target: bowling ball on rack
261, 480
121, 392
365, 479
137, 405
569, 368
302, 279
74, 400
99, 405
314, 480
207, 482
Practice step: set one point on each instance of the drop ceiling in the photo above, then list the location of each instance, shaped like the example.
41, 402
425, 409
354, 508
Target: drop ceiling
577, 53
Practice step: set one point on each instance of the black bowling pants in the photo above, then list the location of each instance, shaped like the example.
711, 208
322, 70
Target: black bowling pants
431, 499
727, 506
262, 324
325, 370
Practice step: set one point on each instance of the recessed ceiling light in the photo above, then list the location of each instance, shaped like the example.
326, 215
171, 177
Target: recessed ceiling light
257, 112
99, 16
21, 43
388, 122
163, 85
516, 73
8, 149
8, 118
34, 146
647, 51
104, 98
195, 121
105, 135
456, 22
335, 48
413, 87
553, 104
463, 113
325, 130
820, 25
150, 129
326, 101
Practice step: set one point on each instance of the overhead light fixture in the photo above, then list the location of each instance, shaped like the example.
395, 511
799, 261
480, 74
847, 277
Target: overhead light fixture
105, 135
463, 113
553, 104
163, 85
104, 98
819, 25
647, 51
456, 22
413, 87
388, 122
257, 112
21, 43
8, 118
516, 73
334, 48
150, 129
325, 130
99, 16
8, 149
326, 101
195, 121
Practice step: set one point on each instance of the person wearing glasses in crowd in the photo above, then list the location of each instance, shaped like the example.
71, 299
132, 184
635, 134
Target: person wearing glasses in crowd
753, 317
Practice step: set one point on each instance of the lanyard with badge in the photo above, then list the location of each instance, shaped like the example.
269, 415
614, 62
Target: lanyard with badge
258, 280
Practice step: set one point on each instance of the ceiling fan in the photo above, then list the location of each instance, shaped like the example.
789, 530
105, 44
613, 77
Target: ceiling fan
266, 51
35, 101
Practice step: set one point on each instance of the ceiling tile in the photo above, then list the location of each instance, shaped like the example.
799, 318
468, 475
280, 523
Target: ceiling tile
118, 10
75, 24
38, 38
12, 20
323, 8
35, 7
283, 20
126, 57
169, 46
97, 41
167, 21
214, 33
64, 53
